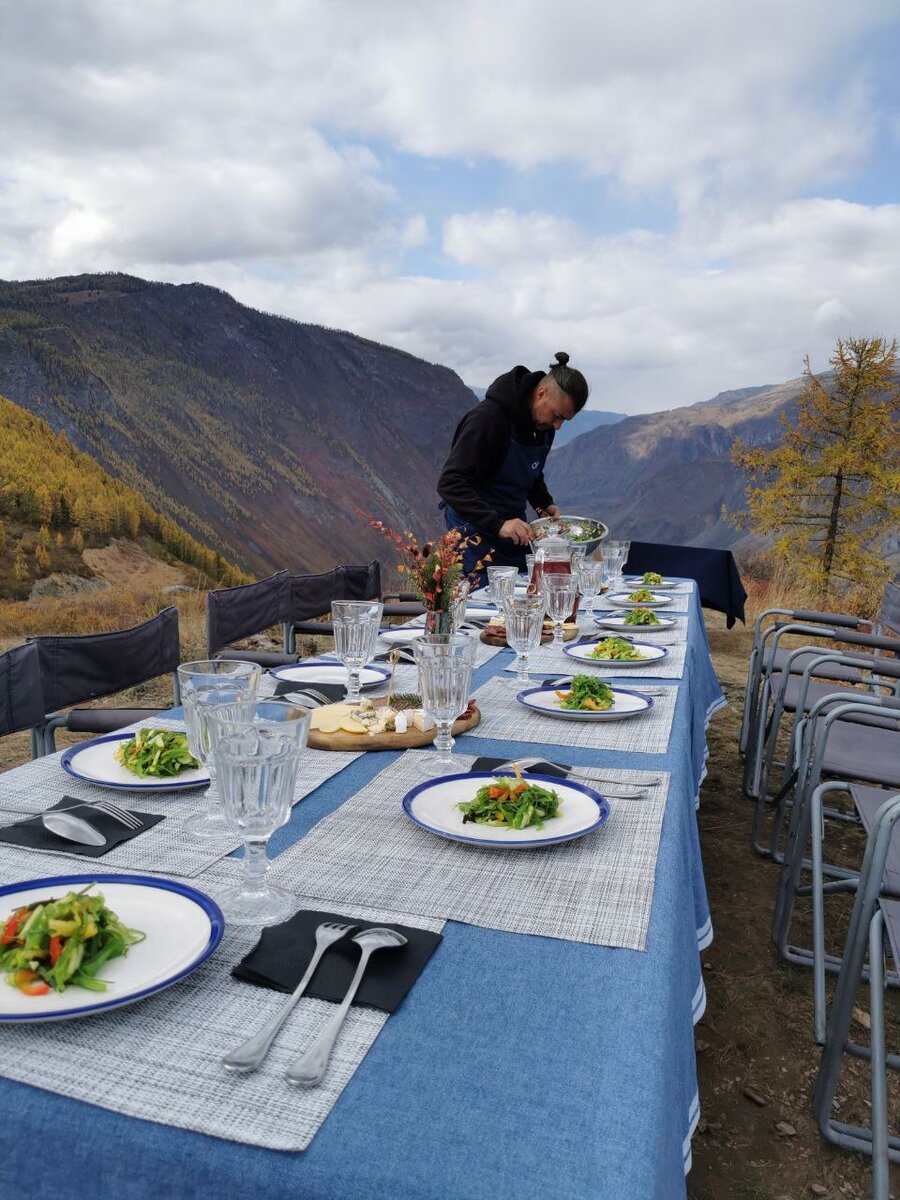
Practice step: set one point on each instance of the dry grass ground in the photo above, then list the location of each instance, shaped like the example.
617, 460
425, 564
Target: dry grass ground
756, 1036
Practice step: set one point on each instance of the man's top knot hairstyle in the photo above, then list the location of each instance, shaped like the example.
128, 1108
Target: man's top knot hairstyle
572, 382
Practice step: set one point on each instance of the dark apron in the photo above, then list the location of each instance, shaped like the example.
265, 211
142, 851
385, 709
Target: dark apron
507, 494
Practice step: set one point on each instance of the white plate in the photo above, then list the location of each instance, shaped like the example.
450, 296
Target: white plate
432, 805
402, 635
483, 595
183, 928
621, 599
619, 625
627, 703
667, 584
650, 654
95, 762
330, 672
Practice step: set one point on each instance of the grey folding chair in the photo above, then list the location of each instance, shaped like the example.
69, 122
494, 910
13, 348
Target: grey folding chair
873, 914
235, 613
76, 668
311, 597
21, 695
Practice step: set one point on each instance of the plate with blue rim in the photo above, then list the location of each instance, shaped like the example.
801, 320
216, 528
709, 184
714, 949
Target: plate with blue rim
433, 806
183, 927
623, 599
620, 624
649, 655
635, 581
627, 702
330, 671
95, 762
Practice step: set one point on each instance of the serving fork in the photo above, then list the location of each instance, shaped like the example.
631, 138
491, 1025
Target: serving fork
249, 1054
109, 807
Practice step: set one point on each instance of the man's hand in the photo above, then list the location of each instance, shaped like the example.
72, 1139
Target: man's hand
553, 510
517, 531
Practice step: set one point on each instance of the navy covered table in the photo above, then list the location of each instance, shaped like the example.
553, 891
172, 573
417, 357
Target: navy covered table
714, 571
517, 1067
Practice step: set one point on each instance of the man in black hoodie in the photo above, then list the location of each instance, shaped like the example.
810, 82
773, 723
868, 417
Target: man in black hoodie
496, 462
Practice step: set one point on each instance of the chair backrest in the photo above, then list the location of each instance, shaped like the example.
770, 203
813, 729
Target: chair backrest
21, 696
239, 612
311, 595
76, 668
889, 617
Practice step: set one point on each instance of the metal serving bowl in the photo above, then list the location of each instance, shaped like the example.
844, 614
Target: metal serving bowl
573, 528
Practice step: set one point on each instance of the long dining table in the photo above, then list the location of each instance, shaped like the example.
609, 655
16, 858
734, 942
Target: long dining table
518, 1065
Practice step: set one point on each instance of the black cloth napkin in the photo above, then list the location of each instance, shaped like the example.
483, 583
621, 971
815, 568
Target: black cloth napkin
541, 768
283, 952
30, 831
334, 691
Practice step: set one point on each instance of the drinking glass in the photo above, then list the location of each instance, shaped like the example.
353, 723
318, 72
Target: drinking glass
529, 566
502, 583
615, 554
590, 577
204, 686
356, 624
524, 622
577, 557
445, 675
458, 608
559, 597
257, 769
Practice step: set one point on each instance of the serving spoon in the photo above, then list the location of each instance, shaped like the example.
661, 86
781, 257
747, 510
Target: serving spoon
73, 829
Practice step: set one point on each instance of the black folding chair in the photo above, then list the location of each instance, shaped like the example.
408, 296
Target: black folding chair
77, 668
21, 696
235, 613
311, 597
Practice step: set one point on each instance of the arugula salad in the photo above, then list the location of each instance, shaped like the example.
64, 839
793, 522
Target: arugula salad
652, 578
642, 596
160, 753
60, 942
615, 649
642, 616
587, 693
511, 802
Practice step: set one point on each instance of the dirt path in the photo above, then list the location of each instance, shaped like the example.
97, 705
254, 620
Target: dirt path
127, 567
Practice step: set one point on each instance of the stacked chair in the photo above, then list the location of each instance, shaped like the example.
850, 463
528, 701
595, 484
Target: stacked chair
311, 597
21, 695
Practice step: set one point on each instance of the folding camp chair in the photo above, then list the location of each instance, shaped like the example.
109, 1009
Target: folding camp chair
21, 697
78, 668
873, 914
311, 597
235, 613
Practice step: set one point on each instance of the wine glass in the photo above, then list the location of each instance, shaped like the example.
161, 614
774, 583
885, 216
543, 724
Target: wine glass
615, 554
577, 557
257, 764
559, 598
445, 676
356, 625
458, 607
203, 686
502, 583
590, 577
524, 622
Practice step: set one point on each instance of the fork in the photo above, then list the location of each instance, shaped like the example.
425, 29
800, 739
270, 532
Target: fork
110, 808
250, 1053
624, 790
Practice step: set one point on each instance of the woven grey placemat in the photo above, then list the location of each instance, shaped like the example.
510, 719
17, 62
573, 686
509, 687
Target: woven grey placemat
160, 1059
596, 889
165, 848
548, 660
503, 717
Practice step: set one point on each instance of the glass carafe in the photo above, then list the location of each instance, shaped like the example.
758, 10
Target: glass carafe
552, 556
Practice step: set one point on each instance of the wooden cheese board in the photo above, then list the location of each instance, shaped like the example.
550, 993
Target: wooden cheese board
411, 740
570, 633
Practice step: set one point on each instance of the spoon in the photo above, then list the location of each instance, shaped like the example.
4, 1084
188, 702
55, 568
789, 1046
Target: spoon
73, 829
309, 1070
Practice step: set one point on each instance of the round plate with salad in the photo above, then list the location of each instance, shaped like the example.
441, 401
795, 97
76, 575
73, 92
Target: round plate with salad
586, 698
99, 941
641, 597
646, 622
616, 652
149, 760
505, 811
651, 579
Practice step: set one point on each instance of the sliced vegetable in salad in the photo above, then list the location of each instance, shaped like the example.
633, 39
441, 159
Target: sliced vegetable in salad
513, 803
161, 753
587, 692
652, 578
642, 596
642, 616
60, 942
615, 649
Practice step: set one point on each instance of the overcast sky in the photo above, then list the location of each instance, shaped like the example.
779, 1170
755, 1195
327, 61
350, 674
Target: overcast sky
687, 195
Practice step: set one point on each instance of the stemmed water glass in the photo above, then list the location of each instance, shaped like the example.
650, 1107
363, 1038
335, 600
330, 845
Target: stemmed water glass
559, 598
445, 676
257, 762
458, 606
577, 555
524, 622
204, 686
501, 583
356, 625
590, 577
614, 554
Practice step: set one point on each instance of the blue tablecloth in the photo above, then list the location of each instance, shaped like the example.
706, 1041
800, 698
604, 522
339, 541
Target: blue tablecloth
517, 1067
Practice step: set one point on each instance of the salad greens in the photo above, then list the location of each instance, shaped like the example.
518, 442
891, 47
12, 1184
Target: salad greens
59, 942
511, 802
157, 752
587, 692
616, 649
652, 578
642, 616
642, 596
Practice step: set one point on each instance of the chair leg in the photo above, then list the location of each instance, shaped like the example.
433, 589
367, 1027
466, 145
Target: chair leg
880, 1160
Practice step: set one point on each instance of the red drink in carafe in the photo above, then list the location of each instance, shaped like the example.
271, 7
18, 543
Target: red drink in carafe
552, 559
